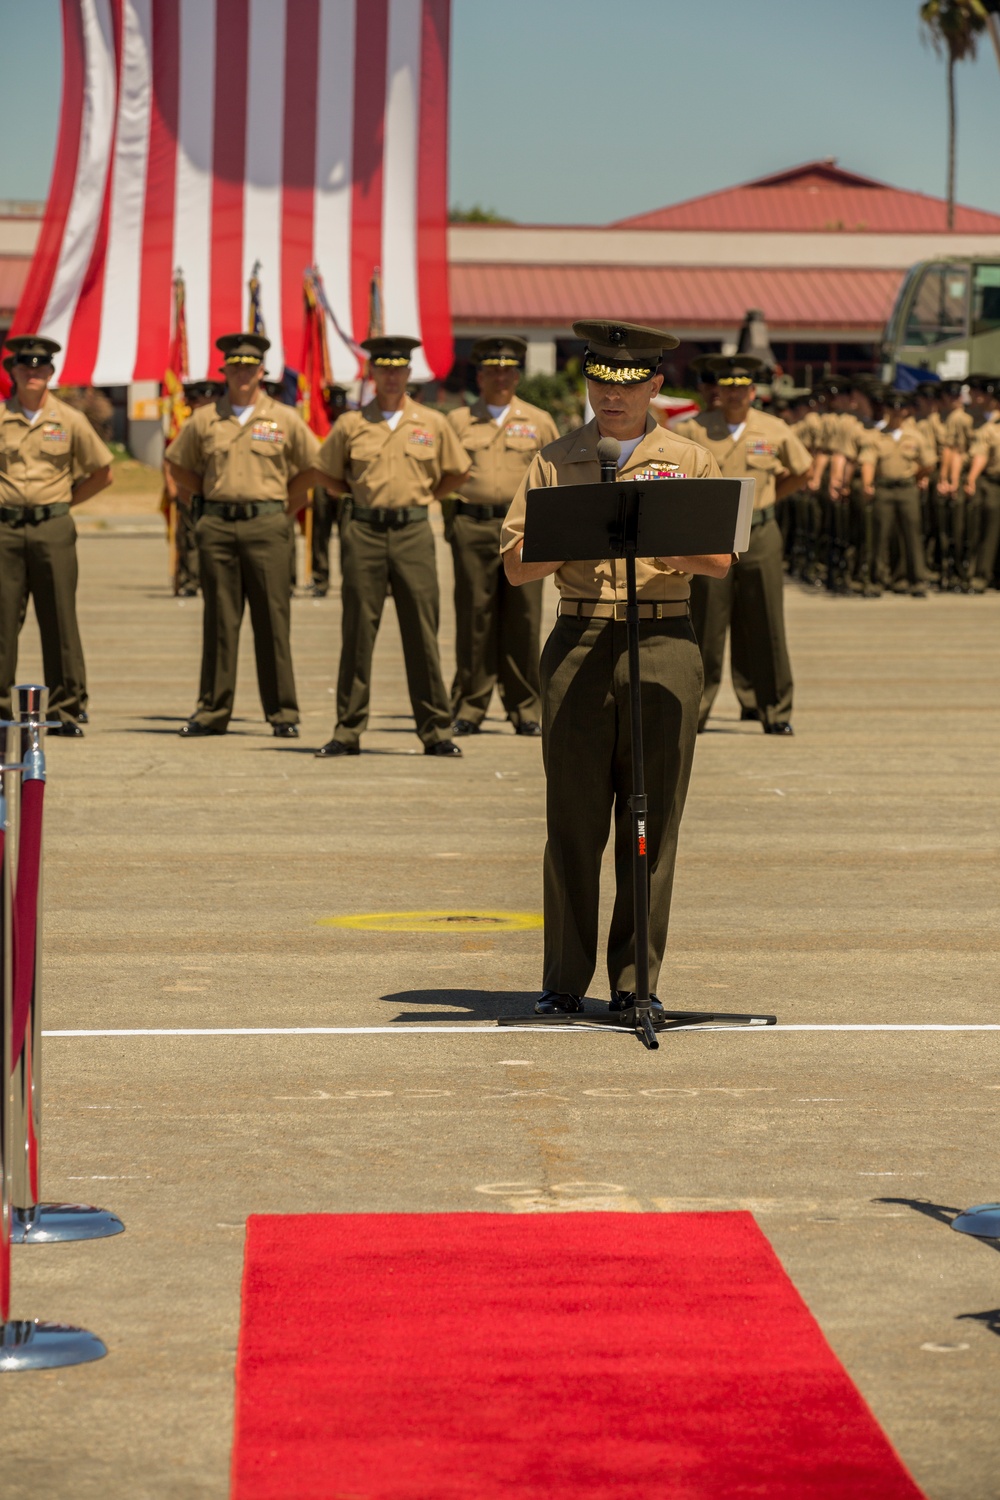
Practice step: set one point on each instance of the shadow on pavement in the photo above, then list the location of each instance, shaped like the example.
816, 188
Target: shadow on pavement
990, 1320
471, 1005
941, 1214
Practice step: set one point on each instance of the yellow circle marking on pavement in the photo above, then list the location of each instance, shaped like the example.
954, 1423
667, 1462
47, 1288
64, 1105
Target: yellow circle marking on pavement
437, 921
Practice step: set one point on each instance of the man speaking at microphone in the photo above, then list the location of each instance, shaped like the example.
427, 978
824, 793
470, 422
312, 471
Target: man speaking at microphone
584, 677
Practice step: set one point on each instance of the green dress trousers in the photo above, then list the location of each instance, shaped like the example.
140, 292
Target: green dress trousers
373, 558
897, 508
245, 562
497, 628
750, 601
587, 751
38, 560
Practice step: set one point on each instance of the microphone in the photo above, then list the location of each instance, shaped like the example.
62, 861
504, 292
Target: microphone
609, 451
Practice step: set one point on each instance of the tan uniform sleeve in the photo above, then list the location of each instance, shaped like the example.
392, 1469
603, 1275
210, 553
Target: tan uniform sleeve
453, 458
332, 456
539, 475
956, 433
794, 455
89, 451
186, 450
868, 454
303, 445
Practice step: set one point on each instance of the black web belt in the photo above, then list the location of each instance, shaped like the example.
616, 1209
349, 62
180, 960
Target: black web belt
241, 510
760, 516
385, 517
30, 515
482, 512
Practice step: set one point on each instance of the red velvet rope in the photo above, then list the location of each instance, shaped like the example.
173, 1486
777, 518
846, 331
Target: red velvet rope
29, 861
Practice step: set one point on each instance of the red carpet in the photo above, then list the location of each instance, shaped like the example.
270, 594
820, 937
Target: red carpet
549, 1356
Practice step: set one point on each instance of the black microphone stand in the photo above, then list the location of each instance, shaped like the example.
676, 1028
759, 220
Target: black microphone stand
639, 1017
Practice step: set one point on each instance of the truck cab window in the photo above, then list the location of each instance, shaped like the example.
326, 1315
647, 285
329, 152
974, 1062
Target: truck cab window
939, 310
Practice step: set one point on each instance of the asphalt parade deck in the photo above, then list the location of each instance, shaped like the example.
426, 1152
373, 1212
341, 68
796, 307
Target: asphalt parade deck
844, 878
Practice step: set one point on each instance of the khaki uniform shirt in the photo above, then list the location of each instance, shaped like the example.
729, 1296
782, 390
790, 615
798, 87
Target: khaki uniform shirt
809, 431
900, 458
766, 450
838, 434
392, 468
987, 440
573, 460
499, 454
254, 460
962, 426
40, 462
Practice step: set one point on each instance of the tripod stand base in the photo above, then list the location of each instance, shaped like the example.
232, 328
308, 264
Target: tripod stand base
46, 1346
645, 1026
48, 1222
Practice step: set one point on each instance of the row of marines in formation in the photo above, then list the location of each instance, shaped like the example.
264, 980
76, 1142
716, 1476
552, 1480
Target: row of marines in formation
904, 493
244, 464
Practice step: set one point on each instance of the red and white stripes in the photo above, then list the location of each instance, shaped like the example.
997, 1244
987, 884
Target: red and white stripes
210, 134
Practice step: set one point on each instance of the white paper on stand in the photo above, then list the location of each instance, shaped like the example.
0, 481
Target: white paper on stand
744, 516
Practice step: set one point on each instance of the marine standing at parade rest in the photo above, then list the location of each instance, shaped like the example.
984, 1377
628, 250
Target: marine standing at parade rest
50, 460
249, 457
586, 742
497, 627
185, 575
390, 460
983, 485
893, 462
750, 600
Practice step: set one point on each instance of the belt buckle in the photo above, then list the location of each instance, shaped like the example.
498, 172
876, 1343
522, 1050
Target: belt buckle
621, 606
380, 515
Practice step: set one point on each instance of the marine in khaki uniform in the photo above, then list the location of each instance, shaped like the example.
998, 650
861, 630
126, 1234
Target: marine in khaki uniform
961, 427
584, 677
50, 460
747, 443
390, 460
983, 484
893, 461
185, 578
497, 627
249, 457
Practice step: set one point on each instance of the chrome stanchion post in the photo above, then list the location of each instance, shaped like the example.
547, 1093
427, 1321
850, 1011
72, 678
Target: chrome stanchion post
24, 1344
34, 1222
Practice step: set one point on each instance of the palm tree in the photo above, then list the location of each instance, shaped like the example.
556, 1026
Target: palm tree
954, 28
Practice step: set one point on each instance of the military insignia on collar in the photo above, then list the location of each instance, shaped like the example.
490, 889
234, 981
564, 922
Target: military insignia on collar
658, 470
421, 438
266, 432
522, 430
760, 448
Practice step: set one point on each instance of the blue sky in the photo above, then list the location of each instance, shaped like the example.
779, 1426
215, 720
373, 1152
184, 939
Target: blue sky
577, 111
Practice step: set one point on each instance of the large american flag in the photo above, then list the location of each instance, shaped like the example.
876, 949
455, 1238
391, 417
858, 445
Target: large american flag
207, 135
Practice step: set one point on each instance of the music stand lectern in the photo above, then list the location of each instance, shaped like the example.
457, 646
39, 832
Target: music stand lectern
654, 518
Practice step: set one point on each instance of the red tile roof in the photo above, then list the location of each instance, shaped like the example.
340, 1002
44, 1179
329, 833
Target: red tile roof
13, 275
817, 197
676, 296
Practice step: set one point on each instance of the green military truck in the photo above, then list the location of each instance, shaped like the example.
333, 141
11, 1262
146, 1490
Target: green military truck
946, 320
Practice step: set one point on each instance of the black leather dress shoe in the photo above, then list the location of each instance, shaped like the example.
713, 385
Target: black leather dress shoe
83, 717
528, 728
443, 747
69, 731
336, 747
464, 726
285, 731
192, 730
624, 999
778, 729
749, 713
552, 1003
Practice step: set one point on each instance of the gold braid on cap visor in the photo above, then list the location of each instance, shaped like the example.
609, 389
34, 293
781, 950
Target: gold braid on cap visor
243, 359
385, 359
733, 380
616, 374
504, 362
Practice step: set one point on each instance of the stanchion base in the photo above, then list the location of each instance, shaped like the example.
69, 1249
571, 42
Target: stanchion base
48, 1222
47, 1346
983, 1220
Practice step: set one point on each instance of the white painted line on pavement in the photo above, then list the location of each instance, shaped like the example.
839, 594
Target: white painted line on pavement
475, 1029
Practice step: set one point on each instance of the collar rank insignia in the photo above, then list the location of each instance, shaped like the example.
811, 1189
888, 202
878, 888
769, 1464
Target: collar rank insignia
522, 430
420, 438
266, 432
